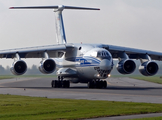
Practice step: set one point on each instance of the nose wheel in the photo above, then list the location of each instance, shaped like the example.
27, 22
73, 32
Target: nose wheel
97, 84
60, 83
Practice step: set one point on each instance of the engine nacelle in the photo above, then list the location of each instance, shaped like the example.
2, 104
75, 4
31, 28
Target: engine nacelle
18, 67
47, 66
149, 68
126, 66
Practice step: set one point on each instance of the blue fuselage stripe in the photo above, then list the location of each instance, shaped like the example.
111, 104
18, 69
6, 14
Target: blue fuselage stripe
84, 61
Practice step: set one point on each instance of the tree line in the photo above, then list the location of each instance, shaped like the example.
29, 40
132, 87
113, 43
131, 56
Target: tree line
30, 71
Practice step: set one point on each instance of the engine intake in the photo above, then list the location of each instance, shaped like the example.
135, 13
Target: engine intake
149, 68
18, 67
47, 66
126, 66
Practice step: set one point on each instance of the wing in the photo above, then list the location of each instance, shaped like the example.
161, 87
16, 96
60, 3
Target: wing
35, 52
132, 53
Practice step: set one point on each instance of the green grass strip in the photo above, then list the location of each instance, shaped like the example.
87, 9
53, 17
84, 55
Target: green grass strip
6, 77
26, 76
155, 79
14, 107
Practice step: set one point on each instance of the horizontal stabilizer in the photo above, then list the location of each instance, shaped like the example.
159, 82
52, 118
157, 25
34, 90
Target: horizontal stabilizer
60, 31
54, 7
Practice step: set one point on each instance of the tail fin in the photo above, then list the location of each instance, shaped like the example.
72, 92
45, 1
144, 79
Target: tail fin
60, 31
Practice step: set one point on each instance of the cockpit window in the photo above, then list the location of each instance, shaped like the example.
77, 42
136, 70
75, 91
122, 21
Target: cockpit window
99, 54
103, 54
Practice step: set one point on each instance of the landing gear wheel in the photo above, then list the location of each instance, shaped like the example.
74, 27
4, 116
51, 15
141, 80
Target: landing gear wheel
97, 84
68, 84
101, 84
65, 84
104, 84
91, 84
54, 83
60, 84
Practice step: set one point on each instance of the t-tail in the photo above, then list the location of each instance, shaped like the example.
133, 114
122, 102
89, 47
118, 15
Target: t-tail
60, 31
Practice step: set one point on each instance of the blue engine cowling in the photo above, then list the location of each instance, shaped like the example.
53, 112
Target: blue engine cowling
149, 68
47, 66
126, 66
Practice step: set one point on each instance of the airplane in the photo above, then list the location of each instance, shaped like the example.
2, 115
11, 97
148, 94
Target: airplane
80, 63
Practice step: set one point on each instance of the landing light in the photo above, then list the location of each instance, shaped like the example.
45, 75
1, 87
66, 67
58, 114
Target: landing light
109, 75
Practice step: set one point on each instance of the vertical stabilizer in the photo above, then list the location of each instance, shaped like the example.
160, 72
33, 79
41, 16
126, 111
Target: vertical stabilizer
60, 31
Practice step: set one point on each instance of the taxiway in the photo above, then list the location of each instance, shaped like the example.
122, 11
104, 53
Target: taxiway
119, 89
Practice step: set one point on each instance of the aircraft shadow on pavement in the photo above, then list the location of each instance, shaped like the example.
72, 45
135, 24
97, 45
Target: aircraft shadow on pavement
84, 87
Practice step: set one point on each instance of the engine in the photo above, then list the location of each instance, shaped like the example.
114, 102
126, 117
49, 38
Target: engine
18, 67
126, 66
149, 68
47, 66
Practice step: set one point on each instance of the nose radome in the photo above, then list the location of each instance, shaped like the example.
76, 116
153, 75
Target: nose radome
105, 64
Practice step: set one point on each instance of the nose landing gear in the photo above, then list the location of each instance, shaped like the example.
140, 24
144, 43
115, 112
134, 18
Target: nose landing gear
60, 83
97, 84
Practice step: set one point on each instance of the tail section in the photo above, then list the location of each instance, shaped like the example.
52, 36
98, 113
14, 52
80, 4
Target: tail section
60, 31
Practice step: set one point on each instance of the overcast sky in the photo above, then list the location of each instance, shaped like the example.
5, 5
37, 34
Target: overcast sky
129, 23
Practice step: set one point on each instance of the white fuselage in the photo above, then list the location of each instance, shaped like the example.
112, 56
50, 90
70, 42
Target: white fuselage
85, 62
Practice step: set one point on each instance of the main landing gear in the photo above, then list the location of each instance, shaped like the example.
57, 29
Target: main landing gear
97, 84
60, 83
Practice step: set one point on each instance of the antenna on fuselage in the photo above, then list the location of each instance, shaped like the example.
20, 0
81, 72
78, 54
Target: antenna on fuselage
60, 31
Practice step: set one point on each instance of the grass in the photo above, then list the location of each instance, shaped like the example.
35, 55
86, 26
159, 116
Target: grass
6, 77
42, 76
14, 107
26, 76
155, 79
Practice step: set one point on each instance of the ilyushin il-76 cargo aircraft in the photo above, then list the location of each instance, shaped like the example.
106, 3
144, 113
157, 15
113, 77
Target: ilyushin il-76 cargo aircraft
80, 63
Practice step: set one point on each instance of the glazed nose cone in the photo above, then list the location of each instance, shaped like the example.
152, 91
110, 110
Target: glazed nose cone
106, 64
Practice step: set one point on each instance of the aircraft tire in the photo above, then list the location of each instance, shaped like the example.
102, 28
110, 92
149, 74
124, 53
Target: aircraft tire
98, 84
68, 84
91, 84
101, 84
52, 83
60, 84
64, 84
104, 84
56, 84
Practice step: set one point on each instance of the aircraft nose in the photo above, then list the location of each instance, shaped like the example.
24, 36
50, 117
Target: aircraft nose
106, 64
